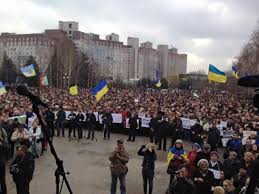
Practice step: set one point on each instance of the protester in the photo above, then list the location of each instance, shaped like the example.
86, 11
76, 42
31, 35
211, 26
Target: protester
176, 158
107, 124
228, 187
162, 133
20, 137
218, 190
204, 153
61, 116
91, 119
214, 137
181, 184
119, 158
192, 157
22, 169
239, 180
35, 133
231, 165
148, 165
80, 124
133, 122
216, 167
203, 178
153, 128
72, 124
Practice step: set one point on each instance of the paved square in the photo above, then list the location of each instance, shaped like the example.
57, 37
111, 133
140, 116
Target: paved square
88, 164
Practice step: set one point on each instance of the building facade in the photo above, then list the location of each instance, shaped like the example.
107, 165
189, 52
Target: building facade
110, 58
19, 47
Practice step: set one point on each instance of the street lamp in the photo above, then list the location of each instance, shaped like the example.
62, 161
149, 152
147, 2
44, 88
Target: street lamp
65, 80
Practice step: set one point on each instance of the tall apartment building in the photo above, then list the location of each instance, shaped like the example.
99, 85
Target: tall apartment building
110, 58
19, 47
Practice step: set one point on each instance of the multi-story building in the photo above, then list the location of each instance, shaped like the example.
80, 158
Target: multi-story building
109, 58
112, 58
113, 37
19, 47
69, 27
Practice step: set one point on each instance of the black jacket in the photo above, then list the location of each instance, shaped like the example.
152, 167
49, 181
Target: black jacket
133, 122
91, 118
72, 117
149, 158
107, 119
213, 136
231, 168
181, 186
254, 181
205, 186
80, 117
24, 168
162, 129
49, 116
196, 133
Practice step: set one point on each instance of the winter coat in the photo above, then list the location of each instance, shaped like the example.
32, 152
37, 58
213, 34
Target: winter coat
214, 136
181, 186
231, 168
118, 162
25, 167
107, 119
191, 164
133, 122
196, 133
149, 158
205, 186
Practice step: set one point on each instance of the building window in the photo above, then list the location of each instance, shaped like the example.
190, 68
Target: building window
70, 26
70, 32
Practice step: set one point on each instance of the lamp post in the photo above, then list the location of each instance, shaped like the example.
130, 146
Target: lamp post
65, 80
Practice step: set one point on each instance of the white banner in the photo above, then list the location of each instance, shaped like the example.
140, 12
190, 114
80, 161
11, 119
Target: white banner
187, 123
117, 117
145, 122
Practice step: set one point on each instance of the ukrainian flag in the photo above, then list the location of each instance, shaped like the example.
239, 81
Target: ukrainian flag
234, 72
28, 71
216, 75
158, 84
73, 90
100, 90
2, 90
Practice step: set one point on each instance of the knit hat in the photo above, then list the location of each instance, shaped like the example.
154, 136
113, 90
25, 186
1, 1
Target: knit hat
214, 153
196, 145
179, 141
120, 141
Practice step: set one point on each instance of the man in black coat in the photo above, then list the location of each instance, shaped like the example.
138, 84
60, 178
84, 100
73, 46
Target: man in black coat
181, 184
153, 128
50, 118
80, 124
107, 124
22, 169
196, 131
61, 116
72, 124
214, 137
254, 180
133, 122
91, 119
162, 133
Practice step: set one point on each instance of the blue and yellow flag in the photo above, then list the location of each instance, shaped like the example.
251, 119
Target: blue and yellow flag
216, 75
234, 72
2, 90
28, 71
158, 82
100, 90
73, 90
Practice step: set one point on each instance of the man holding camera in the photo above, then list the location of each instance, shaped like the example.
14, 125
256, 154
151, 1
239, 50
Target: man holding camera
181, 184
22, 169
119, 158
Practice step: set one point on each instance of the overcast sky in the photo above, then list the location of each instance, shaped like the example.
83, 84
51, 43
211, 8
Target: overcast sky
209, 31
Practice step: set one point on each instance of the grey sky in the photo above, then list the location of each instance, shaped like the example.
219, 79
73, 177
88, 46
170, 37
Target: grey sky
209, 31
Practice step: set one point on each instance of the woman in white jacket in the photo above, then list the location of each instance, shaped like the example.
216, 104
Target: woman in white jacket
35, 133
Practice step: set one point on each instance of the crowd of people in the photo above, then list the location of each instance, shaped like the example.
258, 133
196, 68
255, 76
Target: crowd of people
201, 170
